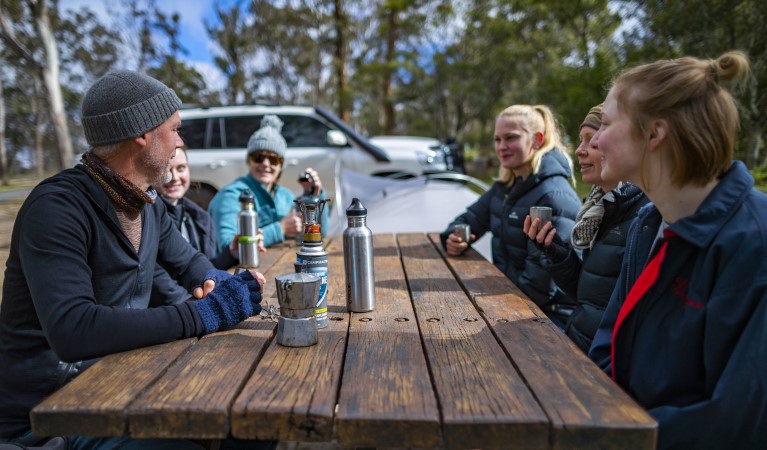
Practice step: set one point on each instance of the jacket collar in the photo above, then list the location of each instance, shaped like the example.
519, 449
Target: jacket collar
553, 164
702, 227
79, 178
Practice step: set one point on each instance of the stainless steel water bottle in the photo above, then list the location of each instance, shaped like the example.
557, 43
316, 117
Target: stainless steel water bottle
247, 221
358, 260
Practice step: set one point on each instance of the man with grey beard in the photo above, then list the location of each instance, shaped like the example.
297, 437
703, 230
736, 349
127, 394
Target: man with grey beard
84, 247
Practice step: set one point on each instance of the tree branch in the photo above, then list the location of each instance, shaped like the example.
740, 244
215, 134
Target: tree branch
9, 37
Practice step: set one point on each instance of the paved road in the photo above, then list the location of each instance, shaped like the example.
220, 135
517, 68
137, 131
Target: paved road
14, 194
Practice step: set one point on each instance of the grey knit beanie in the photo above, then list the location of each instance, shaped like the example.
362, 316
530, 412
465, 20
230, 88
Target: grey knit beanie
123, 105
268, 137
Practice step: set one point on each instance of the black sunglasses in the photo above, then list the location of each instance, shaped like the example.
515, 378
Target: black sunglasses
259, 157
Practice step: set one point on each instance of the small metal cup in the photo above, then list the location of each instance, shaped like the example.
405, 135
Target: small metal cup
463, 230
297, 295
540, 212
300, 332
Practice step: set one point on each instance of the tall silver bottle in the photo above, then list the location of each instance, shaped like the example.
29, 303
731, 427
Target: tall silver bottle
358, 260
247, 228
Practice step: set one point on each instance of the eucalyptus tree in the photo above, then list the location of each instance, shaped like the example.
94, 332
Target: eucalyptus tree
708, 28
89, 48
584, 59
294, 47
392, 59
3, 149
235, 38
135, 19
38, 49
169, 68
169, 26
342, 22
522, 51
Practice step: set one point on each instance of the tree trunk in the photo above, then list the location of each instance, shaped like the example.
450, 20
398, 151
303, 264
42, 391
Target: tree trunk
756, 125
3, 151
39, 130
341, 52
52, 86
754, 144
387, 91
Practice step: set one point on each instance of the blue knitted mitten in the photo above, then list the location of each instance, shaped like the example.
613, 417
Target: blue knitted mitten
232, 301
217, 276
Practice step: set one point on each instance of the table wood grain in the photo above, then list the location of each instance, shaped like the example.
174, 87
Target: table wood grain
454, 356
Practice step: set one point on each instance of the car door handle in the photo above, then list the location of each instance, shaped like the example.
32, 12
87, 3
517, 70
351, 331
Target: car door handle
217, 164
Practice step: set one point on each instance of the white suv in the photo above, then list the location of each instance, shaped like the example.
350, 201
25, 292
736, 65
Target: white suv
216, 138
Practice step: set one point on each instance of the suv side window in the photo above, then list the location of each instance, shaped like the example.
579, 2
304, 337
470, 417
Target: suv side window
298, 131
302, 131
238, 130
193, 133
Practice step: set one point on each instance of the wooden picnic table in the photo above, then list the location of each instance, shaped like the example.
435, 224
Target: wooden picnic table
454, 356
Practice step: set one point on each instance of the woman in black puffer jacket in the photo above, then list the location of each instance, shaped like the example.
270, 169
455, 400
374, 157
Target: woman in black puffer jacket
599, 233
535, 171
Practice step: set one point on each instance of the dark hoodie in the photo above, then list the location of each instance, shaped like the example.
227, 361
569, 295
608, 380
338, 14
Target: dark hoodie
202, 236
502, 211
75, 290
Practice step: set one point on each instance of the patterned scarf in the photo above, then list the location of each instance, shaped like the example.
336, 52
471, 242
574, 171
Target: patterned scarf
124, 194
589, 218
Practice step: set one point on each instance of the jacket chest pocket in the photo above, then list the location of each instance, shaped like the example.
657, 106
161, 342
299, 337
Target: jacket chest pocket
514, 217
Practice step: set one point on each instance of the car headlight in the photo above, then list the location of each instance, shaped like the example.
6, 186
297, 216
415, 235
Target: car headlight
430, 157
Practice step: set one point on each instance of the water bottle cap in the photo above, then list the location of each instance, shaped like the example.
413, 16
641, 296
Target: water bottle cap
356, 209
246, 196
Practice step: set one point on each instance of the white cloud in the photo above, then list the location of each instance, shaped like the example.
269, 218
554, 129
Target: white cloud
214, 78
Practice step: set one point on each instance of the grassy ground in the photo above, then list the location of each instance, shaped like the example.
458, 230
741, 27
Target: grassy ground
21, 182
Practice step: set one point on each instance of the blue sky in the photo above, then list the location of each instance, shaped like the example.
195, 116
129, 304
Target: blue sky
192, 29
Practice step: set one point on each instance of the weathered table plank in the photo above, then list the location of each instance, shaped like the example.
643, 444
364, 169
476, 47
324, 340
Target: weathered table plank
95, 402
193, 398
586, 409
386, 378
292, 393
484, 401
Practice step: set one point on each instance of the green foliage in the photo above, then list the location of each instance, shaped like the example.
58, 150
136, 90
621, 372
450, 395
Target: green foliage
706, 29
234, 38
760, 177
188, 83
85, 43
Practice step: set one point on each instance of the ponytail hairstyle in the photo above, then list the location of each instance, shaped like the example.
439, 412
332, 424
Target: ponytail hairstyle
535, 119
688, 94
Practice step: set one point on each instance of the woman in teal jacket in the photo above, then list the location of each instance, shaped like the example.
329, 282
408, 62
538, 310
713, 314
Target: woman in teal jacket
277, 216
685, 332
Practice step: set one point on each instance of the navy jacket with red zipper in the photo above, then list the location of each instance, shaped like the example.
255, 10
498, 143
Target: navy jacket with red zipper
693, 350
